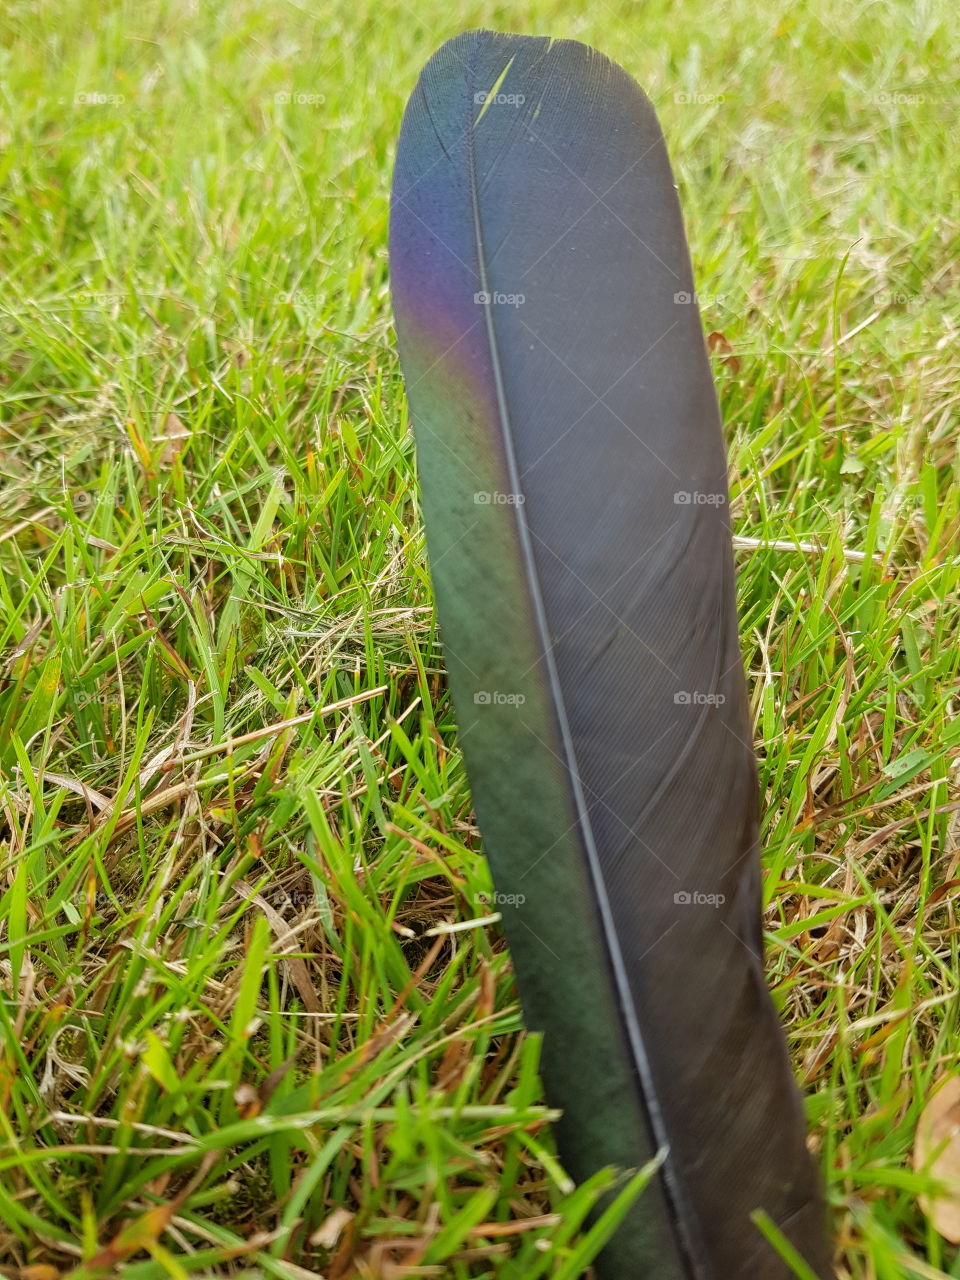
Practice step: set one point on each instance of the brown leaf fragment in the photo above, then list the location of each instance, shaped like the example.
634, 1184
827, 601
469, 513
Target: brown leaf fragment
331, 1229
936, 1153
174, 435
722, 348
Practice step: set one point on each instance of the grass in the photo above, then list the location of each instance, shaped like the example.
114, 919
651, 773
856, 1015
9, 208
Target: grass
252, 1018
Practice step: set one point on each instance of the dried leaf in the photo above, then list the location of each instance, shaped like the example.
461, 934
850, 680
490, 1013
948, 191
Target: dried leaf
95, 798
331, 1229
175, 436
936, 1153
722, 348
247, 1100
456, 1059
135, 1236
286, 936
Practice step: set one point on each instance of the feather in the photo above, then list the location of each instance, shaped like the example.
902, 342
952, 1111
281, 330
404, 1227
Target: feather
574, 489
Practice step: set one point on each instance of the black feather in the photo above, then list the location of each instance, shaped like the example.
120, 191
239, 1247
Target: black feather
575, 494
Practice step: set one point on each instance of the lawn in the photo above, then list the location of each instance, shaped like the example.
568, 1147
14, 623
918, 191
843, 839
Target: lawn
256, 1016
